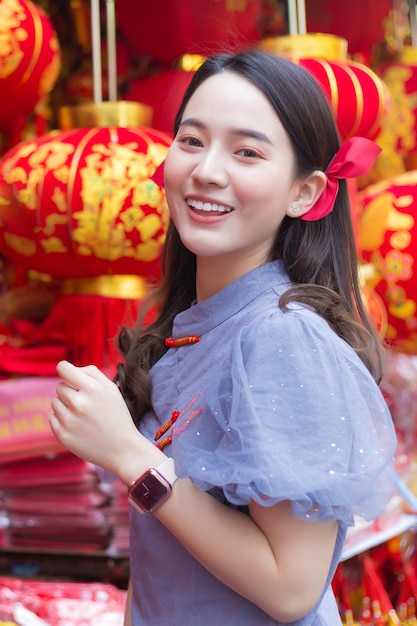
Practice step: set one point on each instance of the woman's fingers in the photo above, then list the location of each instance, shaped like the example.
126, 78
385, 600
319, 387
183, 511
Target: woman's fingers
78, 377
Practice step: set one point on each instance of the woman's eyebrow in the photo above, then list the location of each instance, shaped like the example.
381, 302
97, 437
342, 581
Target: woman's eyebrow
239, 132
192, 121
252, 134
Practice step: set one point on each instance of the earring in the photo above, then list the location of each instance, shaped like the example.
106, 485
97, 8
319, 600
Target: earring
294, 208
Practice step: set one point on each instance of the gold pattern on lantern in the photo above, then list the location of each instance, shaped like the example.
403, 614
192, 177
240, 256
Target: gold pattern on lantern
53, 244
24, 247
400, 240
381, 215
395, 265
58, 195
11, 16
53, 220
396, 78
109, 179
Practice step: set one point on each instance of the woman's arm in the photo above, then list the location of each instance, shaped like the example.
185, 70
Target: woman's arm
275, 560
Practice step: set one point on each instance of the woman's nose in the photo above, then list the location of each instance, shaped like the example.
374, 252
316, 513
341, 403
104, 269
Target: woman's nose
211, 169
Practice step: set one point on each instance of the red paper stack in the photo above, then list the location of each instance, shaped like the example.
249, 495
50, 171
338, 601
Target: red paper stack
55, 503
118, 515
3, 522
25, 407
52, 498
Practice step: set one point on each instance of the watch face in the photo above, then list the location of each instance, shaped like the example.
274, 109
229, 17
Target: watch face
150, 490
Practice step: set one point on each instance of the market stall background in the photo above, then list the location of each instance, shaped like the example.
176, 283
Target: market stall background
89, 91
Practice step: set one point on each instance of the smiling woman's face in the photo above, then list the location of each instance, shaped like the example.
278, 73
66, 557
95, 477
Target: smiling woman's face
229, 174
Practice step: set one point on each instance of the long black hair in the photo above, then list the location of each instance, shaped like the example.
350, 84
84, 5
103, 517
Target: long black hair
319, 256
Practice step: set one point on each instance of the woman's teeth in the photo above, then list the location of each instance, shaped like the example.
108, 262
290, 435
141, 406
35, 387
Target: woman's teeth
208, 207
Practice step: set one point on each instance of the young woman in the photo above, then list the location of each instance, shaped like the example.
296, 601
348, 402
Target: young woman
258, 427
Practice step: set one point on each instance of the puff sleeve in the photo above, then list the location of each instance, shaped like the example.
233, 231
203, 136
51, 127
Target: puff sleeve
293, 414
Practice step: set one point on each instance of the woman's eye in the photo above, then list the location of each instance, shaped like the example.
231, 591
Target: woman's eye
248, 152
191, 141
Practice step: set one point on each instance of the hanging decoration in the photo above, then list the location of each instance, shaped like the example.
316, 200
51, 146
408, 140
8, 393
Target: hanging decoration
79, 210
356, 94
82, 203
358, 97
395, 63
29, 60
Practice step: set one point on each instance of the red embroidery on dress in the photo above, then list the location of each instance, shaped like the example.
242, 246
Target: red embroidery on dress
174, 417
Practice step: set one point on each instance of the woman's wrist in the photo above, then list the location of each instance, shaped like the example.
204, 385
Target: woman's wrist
137, 459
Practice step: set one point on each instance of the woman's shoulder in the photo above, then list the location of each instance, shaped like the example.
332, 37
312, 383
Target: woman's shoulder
297, 327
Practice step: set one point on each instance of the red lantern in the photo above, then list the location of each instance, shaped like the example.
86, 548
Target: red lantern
163, 93
167, 30
388, 244
356, 94
81, 203
29, 59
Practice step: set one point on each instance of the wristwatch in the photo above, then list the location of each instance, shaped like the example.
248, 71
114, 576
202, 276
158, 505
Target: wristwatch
150, 490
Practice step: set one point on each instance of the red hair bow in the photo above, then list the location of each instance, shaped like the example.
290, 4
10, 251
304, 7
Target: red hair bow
158, 175
354, 158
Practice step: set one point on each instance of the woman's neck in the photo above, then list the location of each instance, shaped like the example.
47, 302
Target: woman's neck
216, 273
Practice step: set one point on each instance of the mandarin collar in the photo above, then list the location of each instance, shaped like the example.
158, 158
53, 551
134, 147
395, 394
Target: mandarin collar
206, 315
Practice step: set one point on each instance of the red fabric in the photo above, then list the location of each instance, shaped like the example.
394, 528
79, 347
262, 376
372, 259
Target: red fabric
79, 328
353, 159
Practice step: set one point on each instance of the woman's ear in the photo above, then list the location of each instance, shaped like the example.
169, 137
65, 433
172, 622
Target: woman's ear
308, 191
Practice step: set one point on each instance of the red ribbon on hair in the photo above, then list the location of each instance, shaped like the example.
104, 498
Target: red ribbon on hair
354, 158
158, 175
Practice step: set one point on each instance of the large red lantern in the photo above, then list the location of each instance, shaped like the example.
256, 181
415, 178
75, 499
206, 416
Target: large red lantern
356, 94
167, 30
388, 245
29, 59
82, 203
358, 97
